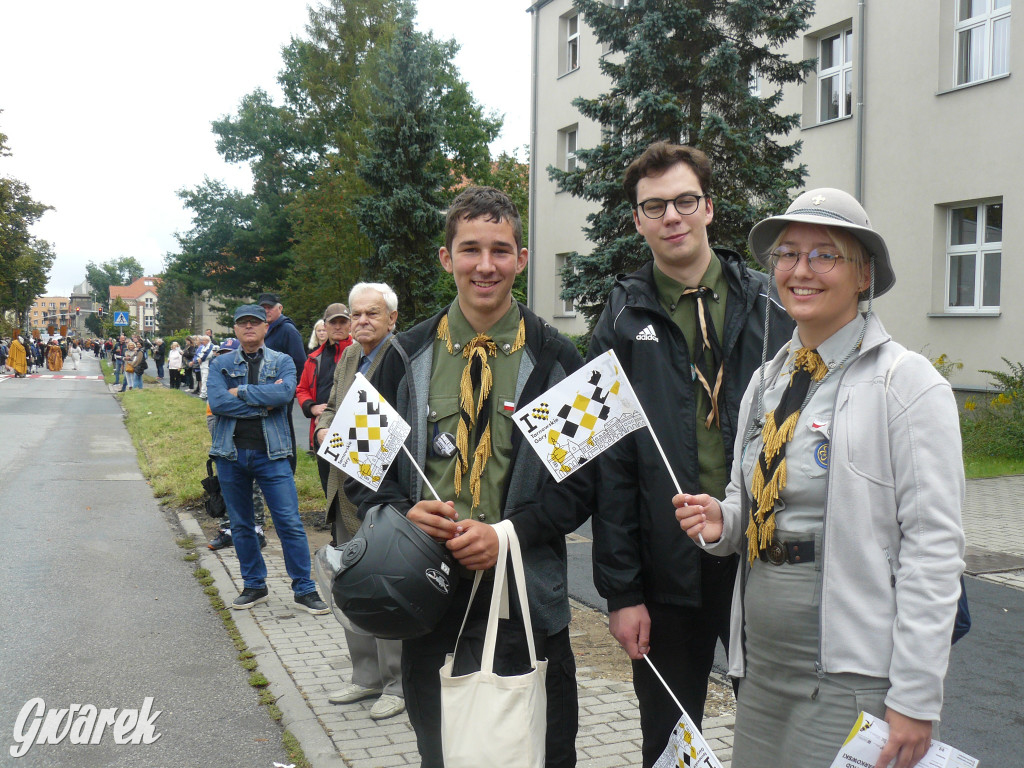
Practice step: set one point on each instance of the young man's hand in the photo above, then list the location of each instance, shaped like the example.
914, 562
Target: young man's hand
435, 518
475, 545
632, 628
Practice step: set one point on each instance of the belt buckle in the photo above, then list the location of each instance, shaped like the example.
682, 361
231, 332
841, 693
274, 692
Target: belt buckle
776, 553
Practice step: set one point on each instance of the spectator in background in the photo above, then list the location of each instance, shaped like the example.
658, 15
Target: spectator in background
175, 363
318, 336
188, 354
249, 390
376, 664
128, 382
318, 375
283, 336
202, 365
159, 351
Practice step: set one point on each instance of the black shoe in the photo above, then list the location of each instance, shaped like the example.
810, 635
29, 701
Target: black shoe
222, 540
263, 540
312, 603
250, 597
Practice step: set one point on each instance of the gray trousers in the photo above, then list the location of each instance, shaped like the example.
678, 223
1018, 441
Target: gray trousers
375, 663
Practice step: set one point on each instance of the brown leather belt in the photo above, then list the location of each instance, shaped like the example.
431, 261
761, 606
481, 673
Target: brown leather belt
779, 552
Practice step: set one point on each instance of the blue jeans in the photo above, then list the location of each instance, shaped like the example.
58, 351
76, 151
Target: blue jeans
275, 480
118, 367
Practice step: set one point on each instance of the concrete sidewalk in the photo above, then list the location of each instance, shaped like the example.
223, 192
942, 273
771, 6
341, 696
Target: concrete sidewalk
306, 657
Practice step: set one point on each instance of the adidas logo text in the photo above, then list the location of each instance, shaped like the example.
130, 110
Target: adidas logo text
647, 334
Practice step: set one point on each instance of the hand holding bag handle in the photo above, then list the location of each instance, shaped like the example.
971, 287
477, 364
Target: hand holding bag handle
488, 719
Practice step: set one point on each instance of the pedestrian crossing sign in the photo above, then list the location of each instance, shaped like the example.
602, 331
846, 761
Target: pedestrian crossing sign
120, 318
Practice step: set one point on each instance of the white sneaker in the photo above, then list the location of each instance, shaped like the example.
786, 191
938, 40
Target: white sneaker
387, 706
353, 692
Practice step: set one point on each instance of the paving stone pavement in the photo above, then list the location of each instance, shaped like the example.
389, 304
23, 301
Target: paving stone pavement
313, 651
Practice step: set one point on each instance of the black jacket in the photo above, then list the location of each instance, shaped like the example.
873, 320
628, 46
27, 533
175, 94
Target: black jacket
640, 553
541, 510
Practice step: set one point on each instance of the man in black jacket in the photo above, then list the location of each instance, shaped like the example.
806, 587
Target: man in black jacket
688, 328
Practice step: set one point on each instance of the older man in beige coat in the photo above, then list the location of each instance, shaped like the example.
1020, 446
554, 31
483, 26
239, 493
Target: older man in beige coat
376, 664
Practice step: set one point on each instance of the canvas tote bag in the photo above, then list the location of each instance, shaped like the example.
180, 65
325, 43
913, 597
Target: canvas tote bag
486, 719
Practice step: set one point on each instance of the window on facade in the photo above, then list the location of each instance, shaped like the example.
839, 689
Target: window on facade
974, 250
148, 321
570, 149
982, 39
835, 76
572, 43
563, 307
754, 82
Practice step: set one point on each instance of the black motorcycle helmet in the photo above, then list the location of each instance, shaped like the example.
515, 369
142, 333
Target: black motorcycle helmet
395, 582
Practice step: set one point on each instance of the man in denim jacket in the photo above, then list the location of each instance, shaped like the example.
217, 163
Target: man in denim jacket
249, 392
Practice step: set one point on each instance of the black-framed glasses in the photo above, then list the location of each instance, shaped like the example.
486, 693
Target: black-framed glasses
655, 207
820, 260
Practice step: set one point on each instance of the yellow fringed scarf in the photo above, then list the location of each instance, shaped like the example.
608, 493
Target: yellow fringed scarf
475, 416
770, 473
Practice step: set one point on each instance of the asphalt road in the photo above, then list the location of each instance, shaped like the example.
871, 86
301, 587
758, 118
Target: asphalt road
97, 606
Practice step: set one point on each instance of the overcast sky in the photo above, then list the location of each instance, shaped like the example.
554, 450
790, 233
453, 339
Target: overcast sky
107, 105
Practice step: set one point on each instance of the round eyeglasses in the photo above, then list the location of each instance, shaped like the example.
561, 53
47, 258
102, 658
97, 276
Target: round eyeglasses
655, 207
820, 260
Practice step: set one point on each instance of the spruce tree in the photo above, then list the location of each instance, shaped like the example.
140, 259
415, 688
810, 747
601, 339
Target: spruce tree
426, 138
680, 71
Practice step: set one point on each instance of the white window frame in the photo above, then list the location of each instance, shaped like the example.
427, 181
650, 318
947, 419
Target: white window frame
983, 253
572, 43
570, 139
754, 82
841, 70
562, 308
981, 29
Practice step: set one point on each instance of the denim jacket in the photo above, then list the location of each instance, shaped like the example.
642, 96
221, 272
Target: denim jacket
267, 399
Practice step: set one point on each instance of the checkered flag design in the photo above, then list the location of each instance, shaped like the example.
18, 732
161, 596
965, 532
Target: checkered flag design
366, 435
581, 416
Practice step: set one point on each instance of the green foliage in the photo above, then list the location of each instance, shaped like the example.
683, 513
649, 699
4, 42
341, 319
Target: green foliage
994, 427
176, 308
122, 271
679, 72
25, 261
943, 364
426, 137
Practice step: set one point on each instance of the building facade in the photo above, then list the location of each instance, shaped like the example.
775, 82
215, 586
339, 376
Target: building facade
49, 311
142, 300
912, 107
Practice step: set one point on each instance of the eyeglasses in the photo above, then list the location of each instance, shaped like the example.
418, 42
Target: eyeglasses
655, 207
820, 260
248, 322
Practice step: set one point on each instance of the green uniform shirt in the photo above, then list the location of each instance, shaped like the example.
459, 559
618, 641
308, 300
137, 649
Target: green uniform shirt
443, 413
682, 310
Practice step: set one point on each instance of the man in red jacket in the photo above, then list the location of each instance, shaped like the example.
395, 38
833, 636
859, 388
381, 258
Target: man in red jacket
318, 374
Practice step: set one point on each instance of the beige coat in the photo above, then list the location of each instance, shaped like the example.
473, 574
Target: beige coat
344, 375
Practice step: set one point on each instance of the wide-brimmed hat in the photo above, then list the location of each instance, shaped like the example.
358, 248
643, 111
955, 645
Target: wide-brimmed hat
336, 310
827, 207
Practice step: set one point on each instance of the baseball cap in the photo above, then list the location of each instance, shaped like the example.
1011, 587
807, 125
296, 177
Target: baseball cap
336, 310
228, 345
268, 299
251, 310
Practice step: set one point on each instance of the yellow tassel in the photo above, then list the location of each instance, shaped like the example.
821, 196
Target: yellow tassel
520, 341
752, 549
480, 456
444, 333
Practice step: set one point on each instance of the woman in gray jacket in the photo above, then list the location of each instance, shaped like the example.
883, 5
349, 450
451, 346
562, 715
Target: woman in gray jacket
845, 501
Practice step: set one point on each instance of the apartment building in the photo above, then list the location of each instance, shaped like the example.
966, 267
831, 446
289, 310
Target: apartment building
142, 300
912, 107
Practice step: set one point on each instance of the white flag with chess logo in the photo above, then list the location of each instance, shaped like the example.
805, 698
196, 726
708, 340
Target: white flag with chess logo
581, 416
366, 435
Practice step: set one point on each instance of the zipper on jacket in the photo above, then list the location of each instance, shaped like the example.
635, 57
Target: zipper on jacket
892, 570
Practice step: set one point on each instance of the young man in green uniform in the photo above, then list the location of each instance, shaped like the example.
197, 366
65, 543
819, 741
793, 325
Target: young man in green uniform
488, 349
